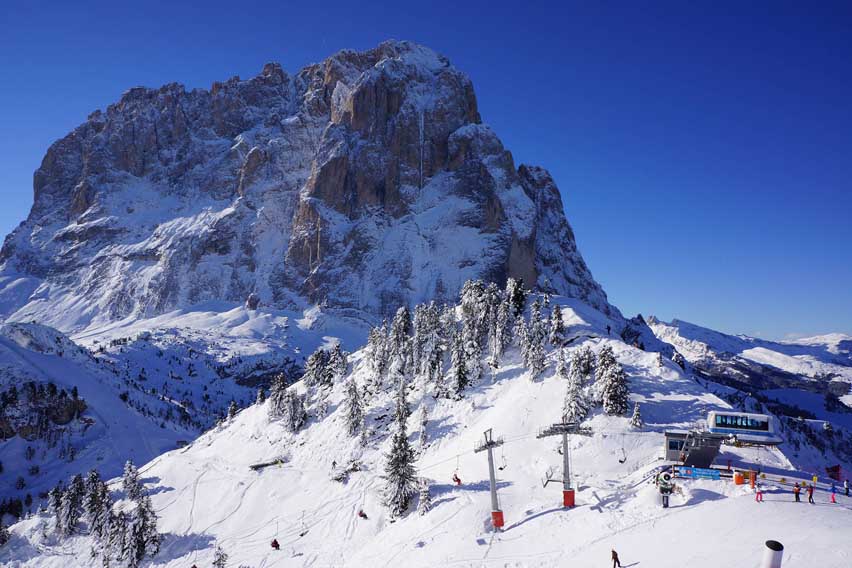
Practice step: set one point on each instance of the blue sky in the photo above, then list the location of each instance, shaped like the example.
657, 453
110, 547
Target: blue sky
703, 149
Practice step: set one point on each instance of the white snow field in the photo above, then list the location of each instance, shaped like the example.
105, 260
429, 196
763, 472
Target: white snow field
206, 494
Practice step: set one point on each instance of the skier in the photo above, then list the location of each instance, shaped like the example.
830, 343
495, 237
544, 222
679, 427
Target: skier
833, 492
615, 560
811, 494
274, 544
796, 490
608, 329
456, 479
758, 492
846, 487
362, 514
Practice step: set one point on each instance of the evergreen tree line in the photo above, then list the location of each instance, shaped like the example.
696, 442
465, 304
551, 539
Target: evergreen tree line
593, 381
122, 536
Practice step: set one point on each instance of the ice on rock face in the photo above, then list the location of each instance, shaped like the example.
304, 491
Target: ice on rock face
360, 183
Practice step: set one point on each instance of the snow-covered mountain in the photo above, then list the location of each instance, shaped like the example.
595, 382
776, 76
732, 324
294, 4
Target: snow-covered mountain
317, 479
360, 184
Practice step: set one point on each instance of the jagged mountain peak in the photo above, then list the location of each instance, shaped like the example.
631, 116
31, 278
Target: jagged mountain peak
359, 183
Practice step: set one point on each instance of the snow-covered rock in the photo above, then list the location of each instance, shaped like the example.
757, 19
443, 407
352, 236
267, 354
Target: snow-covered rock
360, 183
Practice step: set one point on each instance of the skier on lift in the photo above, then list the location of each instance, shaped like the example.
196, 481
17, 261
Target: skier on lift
456, 479
362, 514
274, 544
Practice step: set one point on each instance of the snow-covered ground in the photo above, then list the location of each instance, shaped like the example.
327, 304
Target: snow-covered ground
207, 495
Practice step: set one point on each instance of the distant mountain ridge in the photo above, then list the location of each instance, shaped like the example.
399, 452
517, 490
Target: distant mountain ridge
360, 183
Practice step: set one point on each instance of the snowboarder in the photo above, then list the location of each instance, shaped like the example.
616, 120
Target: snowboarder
846, 487
811, 494
362, 514
615, 560
796, 490
833, 492
274, 544
758, 492
456, 479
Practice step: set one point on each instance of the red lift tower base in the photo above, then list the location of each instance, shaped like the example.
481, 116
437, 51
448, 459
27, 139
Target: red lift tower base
568, 498
497, 519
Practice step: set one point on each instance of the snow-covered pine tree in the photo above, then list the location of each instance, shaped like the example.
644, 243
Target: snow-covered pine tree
316, 372
614, 394
575, 408
517, 296
220, 558
401, 411
276, 395
118, 540
605, 360
556, 333
400, 474
536, 336
145, 523
400, 334
94, 505
424, 502
293, 412
130, 481
261, 396
636, 419
459, 373
72, 505
472, 352
353, 408
522, 338
586, 363
4, 533
54, 500
500, 336
338, 362
423, 439
232, 410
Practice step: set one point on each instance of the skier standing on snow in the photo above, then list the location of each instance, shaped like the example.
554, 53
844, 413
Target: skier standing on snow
758, 495
615, 560
796, 490
833, 492
811, 494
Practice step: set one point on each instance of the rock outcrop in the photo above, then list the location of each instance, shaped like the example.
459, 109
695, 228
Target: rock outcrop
361, 183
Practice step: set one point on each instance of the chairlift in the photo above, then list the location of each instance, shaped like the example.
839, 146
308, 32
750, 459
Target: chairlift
456, 478
502, 459
304, 530
623, 458
548, 477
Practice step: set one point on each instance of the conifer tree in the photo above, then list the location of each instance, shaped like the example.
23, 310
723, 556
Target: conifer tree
586, 363
500, 334
353, 408
636, 419
316, 369
4, 533
575, 408
220, 558
72, 505
338, 362
277, 395
459, 373
424, 502
232, 410
535, 343
55, 504
613, 393
95, 506
293, 413
399, 334
400, 475
130, 482
472, 353
556, 333
377, 356
261, 396
423, 439
517, 296
119, 541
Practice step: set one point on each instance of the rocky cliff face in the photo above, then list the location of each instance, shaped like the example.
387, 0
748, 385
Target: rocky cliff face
360, 183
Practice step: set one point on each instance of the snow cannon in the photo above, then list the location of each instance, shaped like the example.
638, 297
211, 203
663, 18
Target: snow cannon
772, 554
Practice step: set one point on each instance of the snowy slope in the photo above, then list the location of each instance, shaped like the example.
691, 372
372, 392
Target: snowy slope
206, 494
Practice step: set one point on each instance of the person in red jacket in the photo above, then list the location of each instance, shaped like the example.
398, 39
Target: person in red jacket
275, 544
811, 494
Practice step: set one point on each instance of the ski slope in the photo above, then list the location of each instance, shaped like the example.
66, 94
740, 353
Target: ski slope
207, 494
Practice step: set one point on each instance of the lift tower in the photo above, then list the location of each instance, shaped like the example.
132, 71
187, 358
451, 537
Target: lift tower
564, 429
488, 445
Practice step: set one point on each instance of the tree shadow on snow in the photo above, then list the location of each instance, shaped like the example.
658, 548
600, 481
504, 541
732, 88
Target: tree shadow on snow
700, 496
175, 546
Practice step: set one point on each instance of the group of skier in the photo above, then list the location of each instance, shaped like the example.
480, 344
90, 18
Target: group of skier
809, 488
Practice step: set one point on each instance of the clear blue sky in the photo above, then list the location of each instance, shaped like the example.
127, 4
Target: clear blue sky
704, 149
